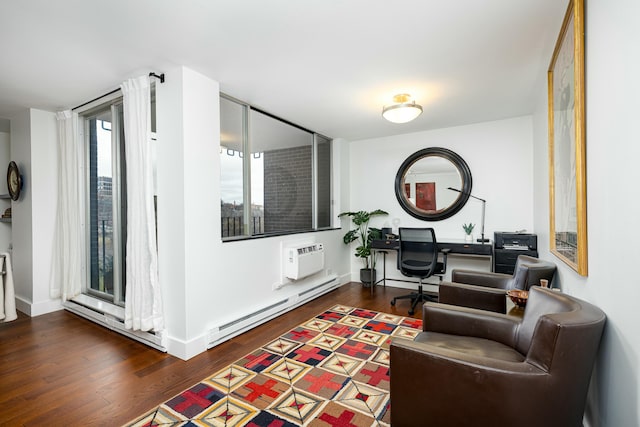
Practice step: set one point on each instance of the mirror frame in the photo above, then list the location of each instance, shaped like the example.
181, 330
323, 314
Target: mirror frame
465, 191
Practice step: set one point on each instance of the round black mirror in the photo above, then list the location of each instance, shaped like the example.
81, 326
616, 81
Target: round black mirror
433, 184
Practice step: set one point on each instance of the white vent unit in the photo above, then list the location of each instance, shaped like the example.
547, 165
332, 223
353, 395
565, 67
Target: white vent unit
303, 260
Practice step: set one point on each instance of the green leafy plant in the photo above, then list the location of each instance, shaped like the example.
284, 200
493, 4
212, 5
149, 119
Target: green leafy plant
468, 228
363, 233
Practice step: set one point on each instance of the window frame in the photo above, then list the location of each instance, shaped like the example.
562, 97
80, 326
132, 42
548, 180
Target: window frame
246, 174
85, 113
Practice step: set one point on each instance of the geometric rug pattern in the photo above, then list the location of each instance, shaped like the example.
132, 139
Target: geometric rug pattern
332, 370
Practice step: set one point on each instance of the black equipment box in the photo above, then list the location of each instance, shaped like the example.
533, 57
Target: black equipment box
507, 248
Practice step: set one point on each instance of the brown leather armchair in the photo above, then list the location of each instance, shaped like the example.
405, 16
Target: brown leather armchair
487, 291
474, 367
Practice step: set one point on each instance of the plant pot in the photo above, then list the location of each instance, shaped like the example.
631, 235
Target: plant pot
367, 276
468, 237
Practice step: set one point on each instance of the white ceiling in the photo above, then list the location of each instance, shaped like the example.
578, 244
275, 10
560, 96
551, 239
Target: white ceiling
327, 65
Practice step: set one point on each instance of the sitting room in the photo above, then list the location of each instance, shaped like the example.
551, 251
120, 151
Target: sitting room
213, 211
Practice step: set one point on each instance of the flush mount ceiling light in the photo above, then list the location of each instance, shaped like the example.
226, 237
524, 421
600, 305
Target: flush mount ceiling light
404, 110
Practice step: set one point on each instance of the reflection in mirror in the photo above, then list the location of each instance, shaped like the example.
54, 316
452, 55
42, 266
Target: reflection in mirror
423, 180
426, 180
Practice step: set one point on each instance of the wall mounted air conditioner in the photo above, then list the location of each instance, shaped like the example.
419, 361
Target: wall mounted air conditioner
303, 260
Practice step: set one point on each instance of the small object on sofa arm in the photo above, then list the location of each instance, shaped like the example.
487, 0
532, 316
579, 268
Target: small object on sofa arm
519, 297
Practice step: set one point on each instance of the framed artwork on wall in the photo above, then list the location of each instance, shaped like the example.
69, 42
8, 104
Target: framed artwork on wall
567, 144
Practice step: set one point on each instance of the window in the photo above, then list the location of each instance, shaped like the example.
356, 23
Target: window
282, 169
102, 129
104, 136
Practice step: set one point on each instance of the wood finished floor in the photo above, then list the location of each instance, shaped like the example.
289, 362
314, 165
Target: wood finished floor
62, 370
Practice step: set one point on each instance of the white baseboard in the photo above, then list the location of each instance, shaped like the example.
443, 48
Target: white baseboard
185, 350
32, 309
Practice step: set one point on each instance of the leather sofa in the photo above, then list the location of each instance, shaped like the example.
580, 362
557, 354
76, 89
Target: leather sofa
478, 368
487, 291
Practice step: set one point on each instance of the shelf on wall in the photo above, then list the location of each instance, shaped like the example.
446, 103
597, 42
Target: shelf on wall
5, 196
5, 220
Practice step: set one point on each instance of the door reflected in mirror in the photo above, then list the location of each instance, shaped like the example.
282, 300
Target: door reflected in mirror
423, 180
426, 183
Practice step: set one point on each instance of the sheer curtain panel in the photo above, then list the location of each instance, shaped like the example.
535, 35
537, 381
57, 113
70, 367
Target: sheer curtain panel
69, 247
143, 299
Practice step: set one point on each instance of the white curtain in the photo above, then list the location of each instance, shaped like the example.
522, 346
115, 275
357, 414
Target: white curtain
69, 248
143, 299
7, 292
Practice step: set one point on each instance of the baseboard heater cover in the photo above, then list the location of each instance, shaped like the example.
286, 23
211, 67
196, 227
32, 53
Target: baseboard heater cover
235, 327
117, 325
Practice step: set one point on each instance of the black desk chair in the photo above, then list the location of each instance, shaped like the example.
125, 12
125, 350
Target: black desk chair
418, 257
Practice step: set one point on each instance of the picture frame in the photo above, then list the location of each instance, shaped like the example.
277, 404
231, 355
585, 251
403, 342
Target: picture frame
567, 143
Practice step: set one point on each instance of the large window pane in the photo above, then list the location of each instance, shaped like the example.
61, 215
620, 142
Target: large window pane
275, 176
231, 167
285, 187
323, 164
105, 212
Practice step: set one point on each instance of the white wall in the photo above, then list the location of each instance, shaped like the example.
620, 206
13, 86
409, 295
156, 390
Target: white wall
5, 158
43, 192
499, 155
21, 211
613, 151
207, 282
33, 148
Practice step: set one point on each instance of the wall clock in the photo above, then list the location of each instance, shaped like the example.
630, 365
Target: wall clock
14, 181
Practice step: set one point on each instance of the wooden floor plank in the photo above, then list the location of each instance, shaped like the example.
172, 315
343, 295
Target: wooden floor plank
61, 369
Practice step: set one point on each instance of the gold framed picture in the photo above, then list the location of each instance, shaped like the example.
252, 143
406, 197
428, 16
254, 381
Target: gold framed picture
567, 144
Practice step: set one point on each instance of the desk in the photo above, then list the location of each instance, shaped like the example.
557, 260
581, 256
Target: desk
455, 247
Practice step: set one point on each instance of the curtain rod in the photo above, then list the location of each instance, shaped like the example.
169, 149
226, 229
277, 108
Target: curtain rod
160, 77
151, 74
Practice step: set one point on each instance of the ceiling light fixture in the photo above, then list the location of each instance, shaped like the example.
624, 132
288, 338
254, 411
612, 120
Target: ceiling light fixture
404, 110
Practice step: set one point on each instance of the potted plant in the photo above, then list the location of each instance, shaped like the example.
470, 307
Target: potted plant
468, 229
364, 235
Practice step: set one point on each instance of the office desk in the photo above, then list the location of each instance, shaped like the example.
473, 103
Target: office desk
455, 247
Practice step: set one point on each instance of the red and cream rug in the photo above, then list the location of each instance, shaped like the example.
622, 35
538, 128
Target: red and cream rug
332, 370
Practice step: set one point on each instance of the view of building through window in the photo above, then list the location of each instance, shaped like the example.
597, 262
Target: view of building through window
104, 209
286, 175
107, 230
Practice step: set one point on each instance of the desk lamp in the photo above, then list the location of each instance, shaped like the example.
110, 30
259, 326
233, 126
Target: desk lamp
484, 202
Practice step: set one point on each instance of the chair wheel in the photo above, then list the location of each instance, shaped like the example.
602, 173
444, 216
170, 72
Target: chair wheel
411, 312
393, 302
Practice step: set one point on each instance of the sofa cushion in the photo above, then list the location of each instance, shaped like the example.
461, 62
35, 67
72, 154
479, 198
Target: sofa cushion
470, 345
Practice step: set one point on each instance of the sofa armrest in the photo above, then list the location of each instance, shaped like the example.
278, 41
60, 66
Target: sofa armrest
473, 296
481, 278
454, 320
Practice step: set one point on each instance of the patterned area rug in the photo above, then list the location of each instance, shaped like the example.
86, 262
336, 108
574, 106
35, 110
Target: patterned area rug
332, 370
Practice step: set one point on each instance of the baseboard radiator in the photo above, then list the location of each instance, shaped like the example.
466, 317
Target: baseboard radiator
243, 323
115, 324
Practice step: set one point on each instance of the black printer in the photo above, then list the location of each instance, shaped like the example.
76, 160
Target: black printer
508, 246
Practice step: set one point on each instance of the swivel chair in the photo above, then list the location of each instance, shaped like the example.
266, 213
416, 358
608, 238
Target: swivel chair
418, 257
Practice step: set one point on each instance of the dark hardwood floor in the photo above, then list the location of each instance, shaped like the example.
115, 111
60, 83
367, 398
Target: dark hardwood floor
62, 370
